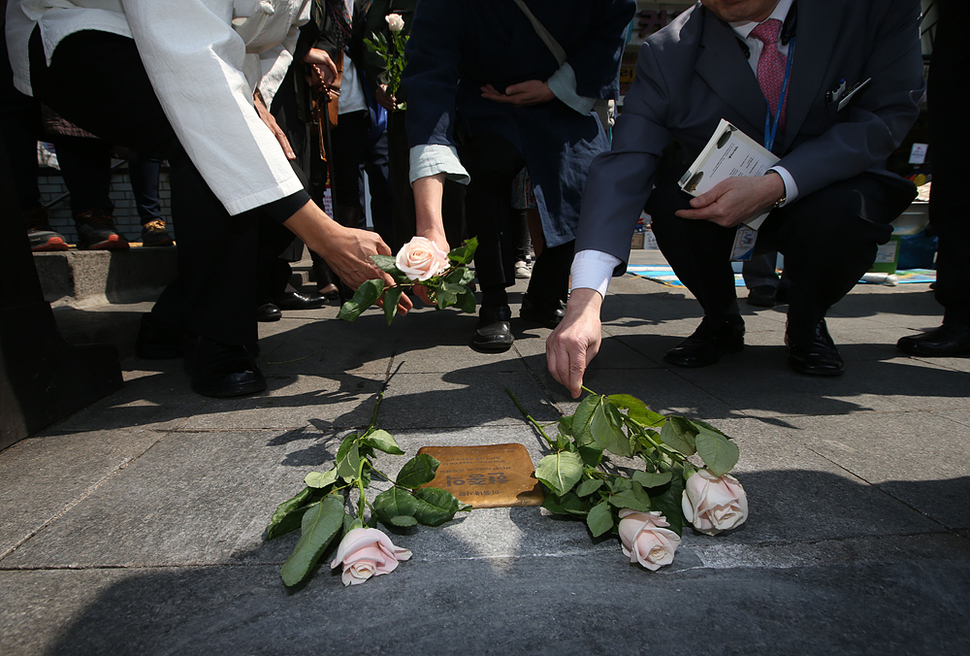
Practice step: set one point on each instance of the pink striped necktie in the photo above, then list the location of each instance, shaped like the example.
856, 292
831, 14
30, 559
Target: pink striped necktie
771, 65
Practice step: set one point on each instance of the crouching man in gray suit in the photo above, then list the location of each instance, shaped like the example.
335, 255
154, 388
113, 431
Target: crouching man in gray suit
789, 85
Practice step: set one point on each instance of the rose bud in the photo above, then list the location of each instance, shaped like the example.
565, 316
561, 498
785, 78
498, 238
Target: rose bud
367, 552
646, 540
714, 503
420, 259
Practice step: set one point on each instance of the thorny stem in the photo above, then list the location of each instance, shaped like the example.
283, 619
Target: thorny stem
529, 417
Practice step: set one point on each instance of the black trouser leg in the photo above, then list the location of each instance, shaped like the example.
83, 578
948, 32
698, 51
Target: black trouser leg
215, 294
492, 163
698, 251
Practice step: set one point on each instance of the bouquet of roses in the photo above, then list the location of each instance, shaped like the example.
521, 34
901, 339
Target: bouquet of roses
321, 509
646, 507
419, 262
392, 52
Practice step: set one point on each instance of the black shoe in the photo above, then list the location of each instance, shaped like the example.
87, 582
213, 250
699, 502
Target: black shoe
158, 342
222, 370
762, 296
948, 340
493, 334
298, 301
548, 315
819, 358
330, 292
268, 312
711, 339
96, 232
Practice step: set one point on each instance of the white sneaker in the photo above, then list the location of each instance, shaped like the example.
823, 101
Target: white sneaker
523, 270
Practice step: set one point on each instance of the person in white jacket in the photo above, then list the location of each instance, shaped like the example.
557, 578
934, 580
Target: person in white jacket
189, 80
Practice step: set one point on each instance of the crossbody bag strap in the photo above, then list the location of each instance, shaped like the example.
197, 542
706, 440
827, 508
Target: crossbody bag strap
548, 39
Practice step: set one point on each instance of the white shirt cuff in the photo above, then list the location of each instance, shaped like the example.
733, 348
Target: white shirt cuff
791, 189
432, 159
562, 83
593, 270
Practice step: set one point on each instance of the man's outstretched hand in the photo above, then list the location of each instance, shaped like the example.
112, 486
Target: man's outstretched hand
576, 341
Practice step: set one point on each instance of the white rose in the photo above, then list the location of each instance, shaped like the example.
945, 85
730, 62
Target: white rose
394, 22
367, 552
420, 259
646, 540
714, 504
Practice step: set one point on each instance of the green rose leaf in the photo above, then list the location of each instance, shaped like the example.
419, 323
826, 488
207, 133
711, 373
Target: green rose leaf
584, 417
396, 502
435, 506
669, 504
460, 276
589, 486
366, 295
677, 434
288, 514
349, 466
607, 434
448, 294
321, 522
320, 480
592, 455
464, 253
704, 426
417, 471
391, 298
466, 302
386, 263
650, 479
404, 521
383, 441
560, 471
600, 519
635, 498
718, 452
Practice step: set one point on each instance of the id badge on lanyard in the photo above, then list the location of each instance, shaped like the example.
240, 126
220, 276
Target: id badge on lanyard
745, 237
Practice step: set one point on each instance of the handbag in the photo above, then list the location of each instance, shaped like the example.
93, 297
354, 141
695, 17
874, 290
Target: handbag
605, 108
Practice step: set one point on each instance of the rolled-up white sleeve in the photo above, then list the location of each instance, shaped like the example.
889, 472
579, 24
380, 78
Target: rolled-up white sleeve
195, 61
562, 83
432, 159
593, 270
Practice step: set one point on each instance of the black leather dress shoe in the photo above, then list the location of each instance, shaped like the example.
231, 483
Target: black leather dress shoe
493, 334
711, 339
268, 312
818, 358
222, 370
762, 296
299, 301
549, 314
158, 342
950, 339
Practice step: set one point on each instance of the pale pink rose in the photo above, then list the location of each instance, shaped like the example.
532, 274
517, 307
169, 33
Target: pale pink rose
646, 540
714, 504
420, 259
367, 552
394, 22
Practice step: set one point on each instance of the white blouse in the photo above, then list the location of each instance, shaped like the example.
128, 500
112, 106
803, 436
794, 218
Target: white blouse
205, 58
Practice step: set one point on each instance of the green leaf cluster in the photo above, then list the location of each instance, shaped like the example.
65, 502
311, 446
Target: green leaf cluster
582, 482
449, 288
320, 510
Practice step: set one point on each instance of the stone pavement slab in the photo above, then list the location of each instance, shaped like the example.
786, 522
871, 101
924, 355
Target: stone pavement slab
136, 525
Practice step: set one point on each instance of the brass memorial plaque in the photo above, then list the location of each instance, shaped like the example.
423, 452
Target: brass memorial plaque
487, 476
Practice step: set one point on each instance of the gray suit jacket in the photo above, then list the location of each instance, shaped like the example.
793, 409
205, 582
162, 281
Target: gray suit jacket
694, 72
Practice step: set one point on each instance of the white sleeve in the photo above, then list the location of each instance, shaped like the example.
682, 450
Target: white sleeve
195, 62
593, 270
562, 83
